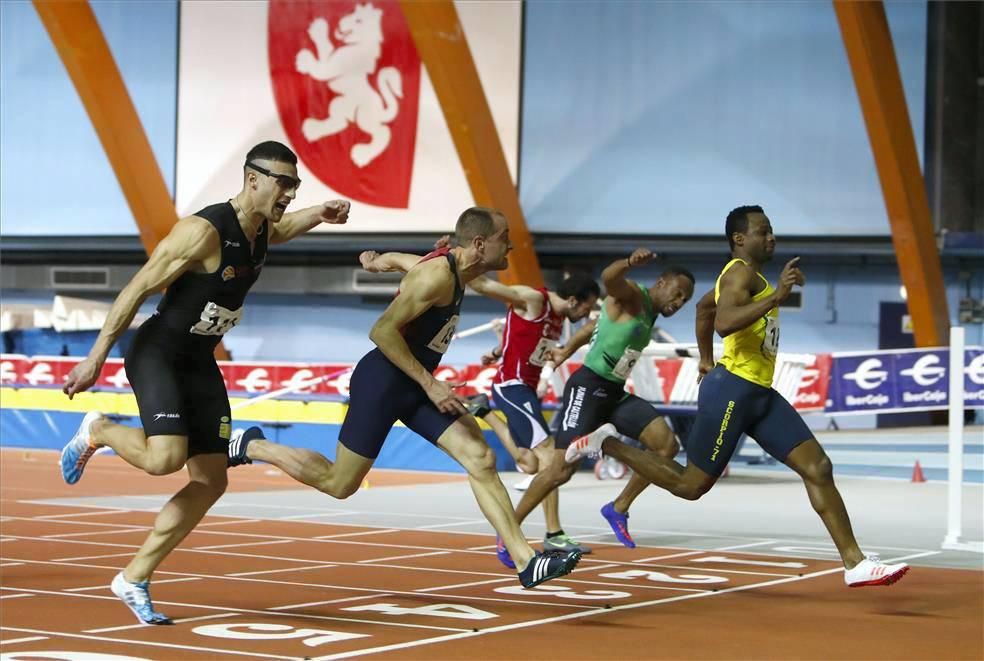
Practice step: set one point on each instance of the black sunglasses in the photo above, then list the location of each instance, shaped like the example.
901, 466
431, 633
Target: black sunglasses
285, 181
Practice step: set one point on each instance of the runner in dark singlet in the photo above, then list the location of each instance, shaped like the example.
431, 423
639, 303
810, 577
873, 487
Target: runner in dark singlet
208, 262
533, 326
395, 381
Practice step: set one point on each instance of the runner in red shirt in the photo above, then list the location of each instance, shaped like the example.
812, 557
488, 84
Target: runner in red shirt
533, 326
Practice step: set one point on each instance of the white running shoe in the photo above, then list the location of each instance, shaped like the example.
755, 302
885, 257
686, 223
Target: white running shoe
872, 571
77, 452
524, 484
137, 597
590, 445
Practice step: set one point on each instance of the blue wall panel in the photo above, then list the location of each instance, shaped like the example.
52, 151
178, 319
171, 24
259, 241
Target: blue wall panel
56, 178
659, 117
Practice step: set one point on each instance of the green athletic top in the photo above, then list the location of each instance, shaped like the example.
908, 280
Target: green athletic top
616, 346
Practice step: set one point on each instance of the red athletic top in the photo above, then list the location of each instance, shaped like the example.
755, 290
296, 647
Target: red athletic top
526, 344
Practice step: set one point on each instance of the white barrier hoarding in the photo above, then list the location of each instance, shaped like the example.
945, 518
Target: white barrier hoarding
341, 83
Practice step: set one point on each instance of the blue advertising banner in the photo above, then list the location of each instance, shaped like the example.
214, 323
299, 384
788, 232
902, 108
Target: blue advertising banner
904, 380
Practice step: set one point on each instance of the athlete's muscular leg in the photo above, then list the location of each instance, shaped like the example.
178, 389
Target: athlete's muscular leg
687, 482
525, 459
463, 441
632, 490
531, 462
207, 482
546, 455
553, 473
157, 455
812, 464
660, 440
340, 479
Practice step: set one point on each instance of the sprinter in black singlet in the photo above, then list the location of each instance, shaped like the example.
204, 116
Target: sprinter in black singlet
208, 262
395, 381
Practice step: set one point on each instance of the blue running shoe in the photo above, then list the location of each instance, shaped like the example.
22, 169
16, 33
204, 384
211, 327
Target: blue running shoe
238, 444
77, 452
548, 565
619, 523
137, 597
502, 553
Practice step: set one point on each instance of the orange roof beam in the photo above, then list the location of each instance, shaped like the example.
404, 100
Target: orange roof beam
868, 40
443, 48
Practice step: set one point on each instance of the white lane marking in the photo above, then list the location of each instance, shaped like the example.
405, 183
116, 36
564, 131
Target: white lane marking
28, 639
403, 557
125, 641
591, 612
361, 597
105, 586
180, 621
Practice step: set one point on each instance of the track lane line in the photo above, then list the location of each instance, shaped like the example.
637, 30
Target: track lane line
593, 611
128, 641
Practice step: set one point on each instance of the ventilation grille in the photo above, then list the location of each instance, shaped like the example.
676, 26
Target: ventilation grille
78, 277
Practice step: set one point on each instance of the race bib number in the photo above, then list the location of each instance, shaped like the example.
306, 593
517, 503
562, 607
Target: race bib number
216, 320
541, 353
625, 364
442, 340
770, 345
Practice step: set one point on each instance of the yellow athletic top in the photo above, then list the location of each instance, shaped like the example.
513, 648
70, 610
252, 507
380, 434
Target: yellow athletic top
751, 352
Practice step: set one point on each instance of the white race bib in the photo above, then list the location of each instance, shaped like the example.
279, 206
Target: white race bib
625, 364
770, 345
216, 320
541, 353
442, 340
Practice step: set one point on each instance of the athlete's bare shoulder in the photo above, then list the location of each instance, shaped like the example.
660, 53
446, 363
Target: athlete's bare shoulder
434, 268
739, 277
431, 279
192, 237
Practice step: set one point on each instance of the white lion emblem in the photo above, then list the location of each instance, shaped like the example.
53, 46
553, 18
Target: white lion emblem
346, 69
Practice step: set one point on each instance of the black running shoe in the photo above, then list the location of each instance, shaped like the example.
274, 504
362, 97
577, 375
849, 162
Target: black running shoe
478, 405
547, 565
238, 444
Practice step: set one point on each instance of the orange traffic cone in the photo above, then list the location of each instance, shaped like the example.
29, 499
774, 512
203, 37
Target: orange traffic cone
917, 473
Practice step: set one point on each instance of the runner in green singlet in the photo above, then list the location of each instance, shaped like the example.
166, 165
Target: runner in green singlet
595, 393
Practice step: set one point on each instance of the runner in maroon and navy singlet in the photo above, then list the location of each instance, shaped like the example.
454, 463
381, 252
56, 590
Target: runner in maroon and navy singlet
533, 327
395, 381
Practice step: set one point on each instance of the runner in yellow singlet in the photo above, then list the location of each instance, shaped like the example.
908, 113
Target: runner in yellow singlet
736, 397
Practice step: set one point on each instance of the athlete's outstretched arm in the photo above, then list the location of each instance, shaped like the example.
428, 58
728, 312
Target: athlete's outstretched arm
704, 329
420, 290
191, 240
618, 286
388, 262
578, 340
519, 297
736, 309
516, 296
295, 223
492, 355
